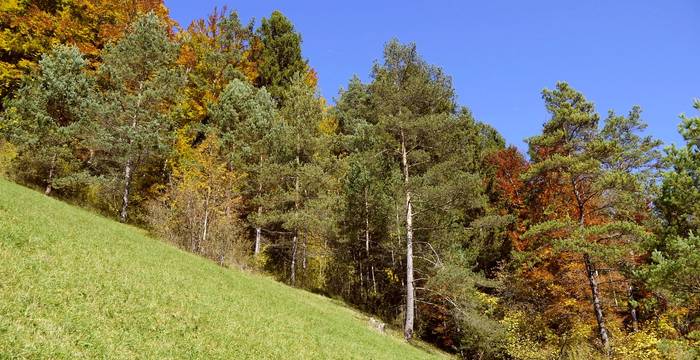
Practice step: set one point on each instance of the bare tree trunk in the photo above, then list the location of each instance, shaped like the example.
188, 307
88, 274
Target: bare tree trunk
367, 237
258, 230
366, 224
374, 282
128, 168
205, 223
296, 209
91, 157
410, 291
127, 187
49, 181
633, 309
258, 234
592, 274
597, 305
303, 255
355, 263
292, 277
363, 291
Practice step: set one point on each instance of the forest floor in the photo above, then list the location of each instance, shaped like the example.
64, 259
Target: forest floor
74, 284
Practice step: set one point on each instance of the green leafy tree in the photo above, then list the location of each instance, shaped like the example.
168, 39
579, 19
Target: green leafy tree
280, 57
435, 152
674, 269
297, 180
141, 82
248, 119
47, 120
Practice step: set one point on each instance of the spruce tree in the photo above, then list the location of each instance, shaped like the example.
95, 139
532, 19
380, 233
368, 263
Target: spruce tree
280, 57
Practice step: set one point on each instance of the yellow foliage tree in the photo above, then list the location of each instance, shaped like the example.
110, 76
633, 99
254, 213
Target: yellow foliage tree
199, 209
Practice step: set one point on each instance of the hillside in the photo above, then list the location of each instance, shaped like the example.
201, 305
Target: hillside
77, 285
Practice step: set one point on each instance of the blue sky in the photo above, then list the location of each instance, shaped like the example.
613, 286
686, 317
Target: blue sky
501, 54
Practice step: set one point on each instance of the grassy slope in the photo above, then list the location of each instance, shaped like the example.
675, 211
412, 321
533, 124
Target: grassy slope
74, 284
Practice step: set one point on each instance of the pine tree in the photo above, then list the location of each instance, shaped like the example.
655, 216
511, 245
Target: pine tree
296, 176
435, 154
599, 179
407, 92
248, 119
141, 82
47, 120
679, 201
368, 243
674, 271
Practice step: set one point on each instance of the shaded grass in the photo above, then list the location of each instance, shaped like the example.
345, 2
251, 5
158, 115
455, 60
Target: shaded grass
77, 285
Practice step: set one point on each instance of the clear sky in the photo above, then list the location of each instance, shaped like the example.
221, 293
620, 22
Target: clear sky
501, 54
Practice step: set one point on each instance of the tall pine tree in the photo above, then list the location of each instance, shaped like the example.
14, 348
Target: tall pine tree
141, 82
47, 120
599, 178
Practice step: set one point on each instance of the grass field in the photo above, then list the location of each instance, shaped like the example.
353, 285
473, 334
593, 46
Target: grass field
77, 285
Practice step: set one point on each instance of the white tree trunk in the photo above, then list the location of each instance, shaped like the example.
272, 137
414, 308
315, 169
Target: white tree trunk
367, 237
127, 187
366, 224
303, 255
205, 222
49, 181
258, 229
292, 277
374, 282
296, 232
128, 168
410, 289
258, 234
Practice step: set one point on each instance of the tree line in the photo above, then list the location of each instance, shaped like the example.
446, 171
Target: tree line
395, 199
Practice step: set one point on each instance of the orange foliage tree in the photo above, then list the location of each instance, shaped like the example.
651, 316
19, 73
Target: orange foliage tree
31, 29
587, 186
